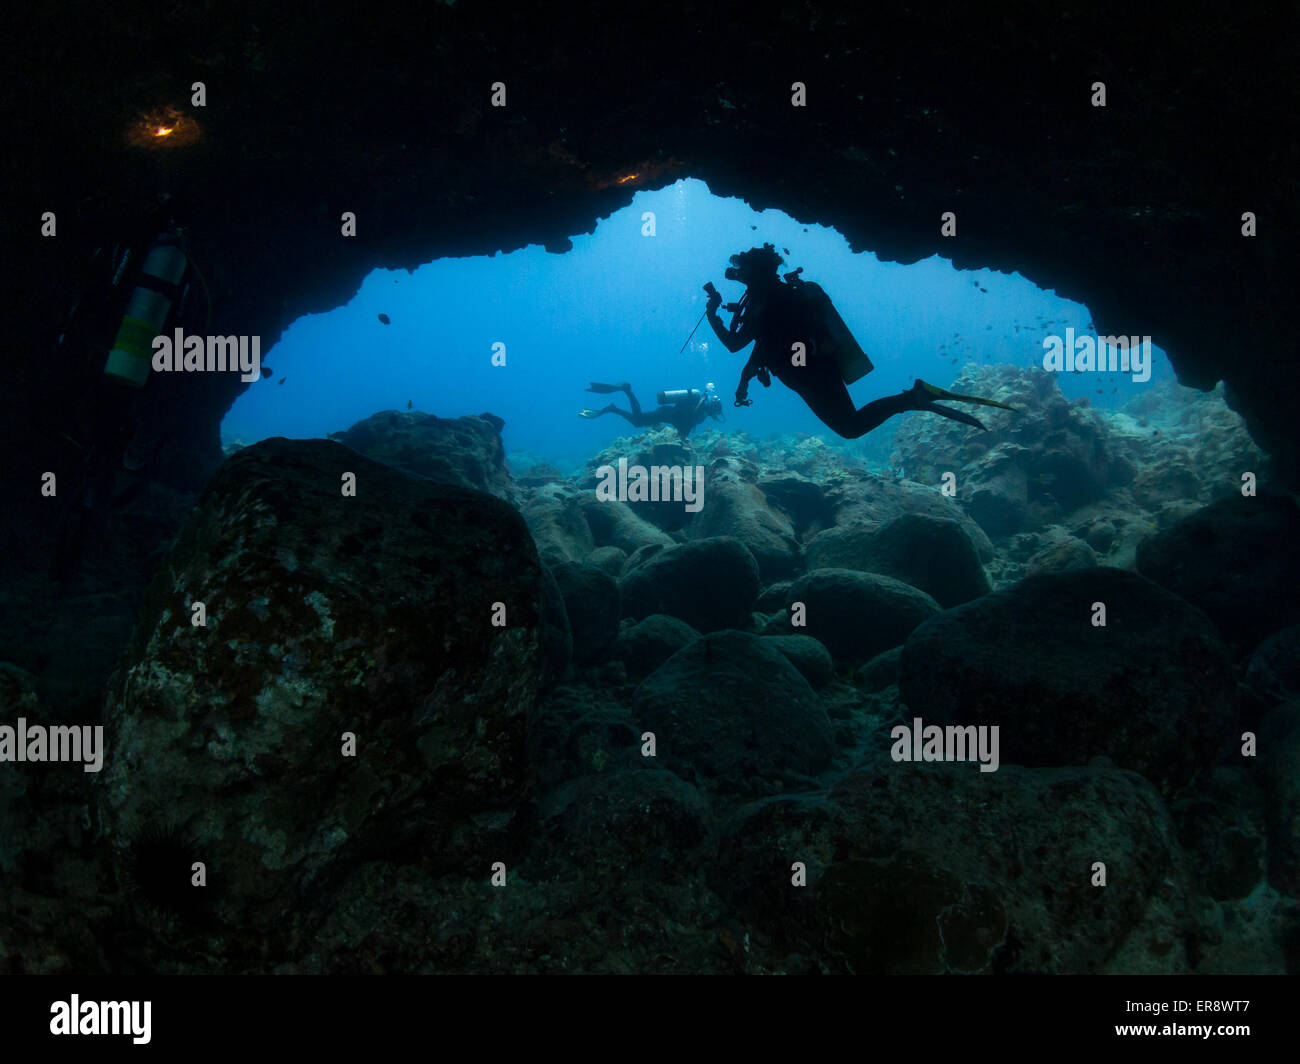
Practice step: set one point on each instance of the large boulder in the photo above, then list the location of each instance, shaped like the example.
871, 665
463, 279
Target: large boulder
873, 501
1274, 670
927, 869
995, 489
591, 602
736, 508
807, 655
1061, 555
458, 450
856, 615
1279, 743
1153, 689
557, 523
46, 843
658, 449
1221, 824
732, 708
803, 501
710, 584
608, 560
646, 644
935, 554
623, 825
617, 524
364, 682
1238, 560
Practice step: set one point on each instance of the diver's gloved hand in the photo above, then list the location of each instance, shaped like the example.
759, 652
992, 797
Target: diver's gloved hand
714, 301
764, 377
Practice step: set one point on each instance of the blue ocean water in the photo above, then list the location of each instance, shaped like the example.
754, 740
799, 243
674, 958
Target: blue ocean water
617, 307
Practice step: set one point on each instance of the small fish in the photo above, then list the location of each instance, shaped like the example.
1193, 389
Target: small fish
385, 319
984, 290
282, 380
753, 227
266, 372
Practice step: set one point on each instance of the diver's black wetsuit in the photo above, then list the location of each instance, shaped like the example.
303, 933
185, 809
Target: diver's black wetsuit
683, 416
772, 323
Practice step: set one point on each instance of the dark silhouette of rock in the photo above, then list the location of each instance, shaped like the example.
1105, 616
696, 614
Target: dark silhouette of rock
940, 868
934, 554
557, 637
709, 583
735, 508
731, 707
619, 524
807, 655
1279, 744
872, 501
1221, 825
327, 617
623, 823
1153, 689
772, 597
557, 523
856, 615
1237, 560
459, 450
1274, 670
591, 601
801, 499
881, 671
646, 644
1062, 555
608, 560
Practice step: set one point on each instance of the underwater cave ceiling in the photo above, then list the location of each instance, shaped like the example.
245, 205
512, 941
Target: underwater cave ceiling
1134, 209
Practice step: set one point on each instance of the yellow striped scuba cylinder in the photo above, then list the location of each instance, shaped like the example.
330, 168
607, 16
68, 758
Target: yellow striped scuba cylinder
156, 292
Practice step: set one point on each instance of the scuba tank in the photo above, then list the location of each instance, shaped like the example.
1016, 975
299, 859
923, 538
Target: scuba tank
829, 334
678, 395
157, 292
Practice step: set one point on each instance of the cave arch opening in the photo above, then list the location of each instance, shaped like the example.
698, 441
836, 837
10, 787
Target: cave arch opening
522, 334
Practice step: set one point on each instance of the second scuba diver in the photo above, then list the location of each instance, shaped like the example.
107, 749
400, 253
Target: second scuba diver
684, 408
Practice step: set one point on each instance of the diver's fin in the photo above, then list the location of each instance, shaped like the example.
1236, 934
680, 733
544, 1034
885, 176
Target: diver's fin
588, 413
931, 392
955, 415
605, 389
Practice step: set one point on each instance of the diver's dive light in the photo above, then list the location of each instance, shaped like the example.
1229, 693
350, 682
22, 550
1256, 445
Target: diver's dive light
156, 292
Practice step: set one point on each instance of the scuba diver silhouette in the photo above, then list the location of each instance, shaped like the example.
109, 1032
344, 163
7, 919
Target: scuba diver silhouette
136, 286
684, 408
776, 316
